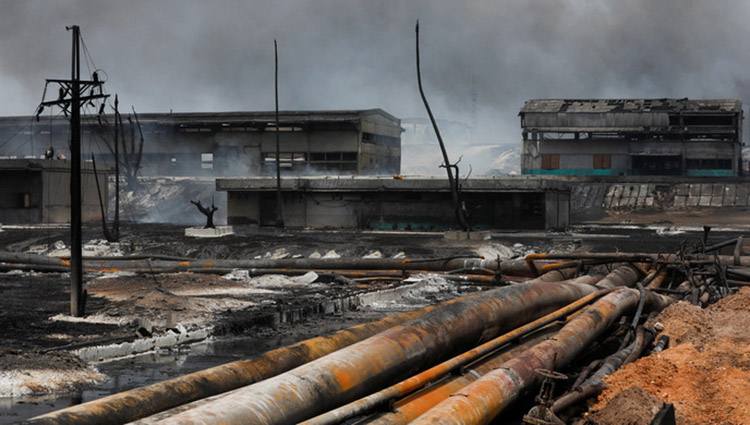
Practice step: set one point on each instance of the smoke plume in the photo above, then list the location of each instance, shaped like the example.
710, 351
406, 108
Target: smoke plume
481, 58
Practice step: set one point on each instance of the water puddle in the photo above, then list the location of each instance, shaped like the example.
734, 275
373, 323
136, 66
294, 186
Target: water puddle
142, 370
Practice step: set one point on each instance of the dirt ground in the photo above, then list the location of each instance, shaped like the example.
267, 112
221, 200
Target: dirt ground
706, 371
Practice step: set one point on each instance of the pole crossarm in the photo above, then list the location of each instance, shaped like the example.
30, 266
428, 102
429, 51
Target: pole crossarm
68, 101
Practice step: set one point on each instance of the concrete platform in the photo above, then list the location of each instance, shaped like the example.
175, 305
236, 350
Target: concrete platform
217, 232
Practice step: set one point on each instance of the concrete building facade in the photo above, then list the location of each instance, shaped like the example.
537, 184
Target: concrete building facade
346, 142
617, 137
36, 191
380, 203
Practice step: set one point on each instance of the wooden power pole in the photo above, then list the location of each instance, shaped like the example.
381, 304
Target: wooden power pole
72, 95
279, 197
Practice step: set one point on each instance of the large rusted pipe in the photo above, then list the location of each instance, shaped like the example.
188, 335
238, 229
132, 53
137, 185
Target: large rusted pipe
516, 267
354, 371
481, 401
138, 403
409, 385
621, 276
409, 408
641, 257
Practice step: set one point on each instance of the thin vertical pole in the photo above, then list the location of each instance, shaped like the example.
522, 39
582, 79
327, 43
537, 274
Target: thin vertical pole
279, 198
76, 263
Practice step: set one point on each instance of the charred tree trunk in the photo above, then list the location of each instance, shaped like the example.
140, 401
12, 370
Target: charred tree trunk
208, 212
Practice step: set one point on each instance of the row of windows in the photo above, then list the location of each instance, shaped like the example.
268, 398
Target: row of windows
313, 157
604, 162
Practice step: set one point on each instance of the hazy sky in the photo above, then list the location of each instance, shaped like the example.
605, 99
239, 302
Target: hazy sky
481, 59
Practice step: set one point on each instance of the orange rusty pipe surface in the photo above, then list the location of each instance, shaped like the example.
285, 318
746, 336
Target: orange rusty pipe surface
414, 405
622, 276
481, 401
352, 372
658, 281
432, 374
516, 267
137, 403
145, 401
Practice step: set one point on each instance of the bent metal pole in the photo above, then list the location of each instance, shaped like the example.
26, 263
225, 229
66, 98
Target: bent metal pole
481, 401
352, 372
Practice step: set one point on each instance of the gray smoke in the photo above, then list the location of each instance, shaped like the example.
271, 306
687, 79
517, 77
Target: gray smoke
482, 58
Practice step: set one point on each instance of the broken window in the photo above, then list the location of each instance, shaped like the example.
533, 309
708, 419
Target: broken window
550, 161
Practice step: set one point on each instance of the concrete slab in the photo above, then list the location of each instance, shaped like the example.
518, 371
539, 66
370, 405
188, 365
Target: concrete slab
217, 232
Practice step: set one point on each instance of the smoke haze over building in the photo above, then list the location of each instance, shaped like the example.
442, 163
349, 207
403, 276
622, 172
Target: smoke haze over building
481, 59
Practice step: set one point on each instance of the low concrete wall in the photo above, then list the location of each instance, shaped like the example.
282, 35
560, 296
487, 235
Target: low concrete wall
591, 200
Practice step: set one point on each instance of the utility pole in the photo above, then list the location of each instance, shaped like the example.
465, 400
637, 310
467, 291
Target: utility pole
70, 99
279, 198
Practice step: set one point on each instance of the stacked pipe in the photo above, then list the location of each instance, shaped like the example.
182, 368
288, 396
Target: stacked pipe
141, 402
332, 379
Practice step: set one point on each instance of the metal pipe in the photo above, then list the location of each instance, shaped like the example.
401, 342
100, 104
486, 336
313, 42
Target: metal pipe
411, 407
481, 401
408, 386
637, 257
398, 352
515, 267
141, 402
417, 405
595, 384
138, 403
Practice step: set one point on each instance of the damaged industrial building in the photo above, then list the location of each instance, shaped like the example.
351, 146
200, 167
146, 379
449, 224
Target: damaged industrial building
309, 230
625, 137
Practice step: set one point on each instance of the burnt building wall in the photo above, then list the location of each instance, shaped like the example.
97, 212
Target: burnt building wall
617, 137
38, 191
229, 144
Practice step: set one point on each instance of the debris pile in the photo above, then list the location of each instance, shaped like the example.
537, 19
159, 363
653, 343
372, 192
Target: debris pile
706, 371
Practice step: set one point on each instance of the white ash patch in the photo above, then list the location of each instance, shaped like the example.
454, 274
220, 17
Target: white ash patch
112, 275
373, 254
332, 254
98, 318
21, 382
92, 248
495, 250
270, 283
419, 290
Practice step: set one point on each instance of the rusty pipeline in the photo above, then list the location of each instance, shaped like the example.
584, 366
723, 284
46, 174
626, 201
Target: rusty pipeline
145, 401
414, 383
622, 276
481, 401
409, 408
352, 372
164, 264
728, 260
137, 403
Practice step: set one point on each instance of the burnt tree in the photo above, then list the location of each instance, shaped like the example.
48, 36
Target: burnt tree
208, 212
127, 146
